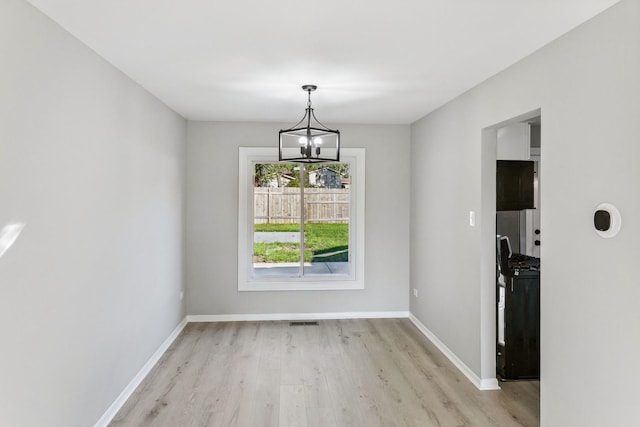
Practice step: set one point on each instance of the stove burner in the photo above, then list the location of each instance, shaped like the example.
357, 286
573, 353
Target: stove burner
524, 262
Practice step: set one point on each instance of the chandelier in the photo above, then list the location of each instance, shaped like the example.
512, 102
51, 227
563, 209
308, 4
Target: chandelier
309, 141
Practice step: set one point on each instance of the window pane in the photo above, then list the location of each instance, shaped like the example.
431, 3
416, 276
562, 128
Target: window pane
276, 219
326, 227
271, 207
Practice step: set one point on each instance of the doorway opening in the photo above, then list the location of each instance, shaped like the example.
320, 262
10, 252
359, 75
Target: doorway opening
518, 240
528, 148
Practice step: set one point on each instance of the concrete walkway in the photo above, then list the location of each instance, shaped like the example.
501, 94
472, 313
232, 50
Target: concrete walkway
276, 236
265, 269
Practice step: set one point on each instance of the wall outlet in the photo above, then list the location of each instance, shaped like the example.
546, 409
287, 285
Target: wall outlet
415, 292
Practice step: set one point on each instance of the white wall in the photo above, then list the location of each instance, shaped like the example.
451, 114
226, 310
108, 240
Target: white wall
94, 165
212, 221
514, 142
587, 87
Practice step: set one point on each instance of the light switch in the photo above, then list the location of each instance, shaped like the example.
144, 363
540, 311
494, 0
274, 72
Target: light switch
472, 218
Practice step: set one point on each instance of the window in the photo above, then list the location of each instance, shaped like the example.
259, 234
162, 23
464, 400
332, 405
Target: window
300, 226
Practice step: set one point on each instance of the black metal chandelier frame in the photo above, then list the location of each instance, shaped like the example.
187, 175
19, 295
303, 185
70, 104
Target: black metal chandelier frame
309, 136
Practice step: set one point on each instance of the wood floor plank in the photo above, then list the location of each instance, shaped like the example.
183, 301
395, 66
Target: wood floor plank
292, 340
316, 388
292, 406
382, 407
243, 371
321, 417
266, 404
346, 401
187, 396
380, 372
218, 398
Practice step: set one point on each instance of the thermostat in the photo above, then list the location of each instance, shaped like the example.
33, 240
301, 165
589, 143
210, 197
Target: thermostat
607, 220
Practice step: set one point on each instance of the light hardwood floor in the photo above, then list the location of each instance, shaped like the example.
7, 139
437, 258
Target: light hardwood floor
380, 372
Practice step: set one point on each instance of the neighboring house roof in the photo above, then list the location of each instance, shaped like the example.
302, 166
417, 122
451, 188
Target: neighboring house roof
328, 170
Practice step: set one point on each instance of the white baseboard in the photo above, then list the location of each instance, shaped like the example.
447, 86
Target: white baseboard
297, 316
481, 384
135, 382
489, 384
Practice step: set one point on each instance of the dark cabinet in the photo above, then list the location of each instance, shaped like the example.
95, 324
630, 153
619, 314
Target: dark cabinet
519, 356
514, 185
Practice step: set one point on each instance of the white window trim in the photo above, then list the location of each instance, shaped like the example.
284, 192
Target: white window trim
247, 157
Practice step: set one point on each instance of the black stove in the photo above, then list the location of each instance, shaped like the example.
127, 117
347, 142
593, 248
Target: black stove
523, 263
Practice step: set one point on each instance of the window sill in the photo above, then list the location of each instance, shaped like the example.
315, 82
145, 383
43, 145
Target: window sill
280, 284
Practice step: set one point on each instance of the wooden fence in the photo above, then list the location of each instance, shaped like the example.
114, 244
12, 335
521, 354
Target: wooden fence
282, 205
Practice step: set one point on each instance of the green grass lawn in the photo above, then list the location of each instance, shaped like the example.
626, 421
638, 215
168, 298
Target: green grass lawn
324, 243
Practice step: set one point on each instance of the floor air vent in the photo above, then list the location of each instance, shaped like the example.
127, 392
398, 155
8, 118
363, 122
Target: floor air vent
303, 323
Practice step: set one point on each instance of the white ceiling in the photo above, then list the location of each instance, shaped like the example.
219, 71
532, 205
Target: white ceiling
375, 61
